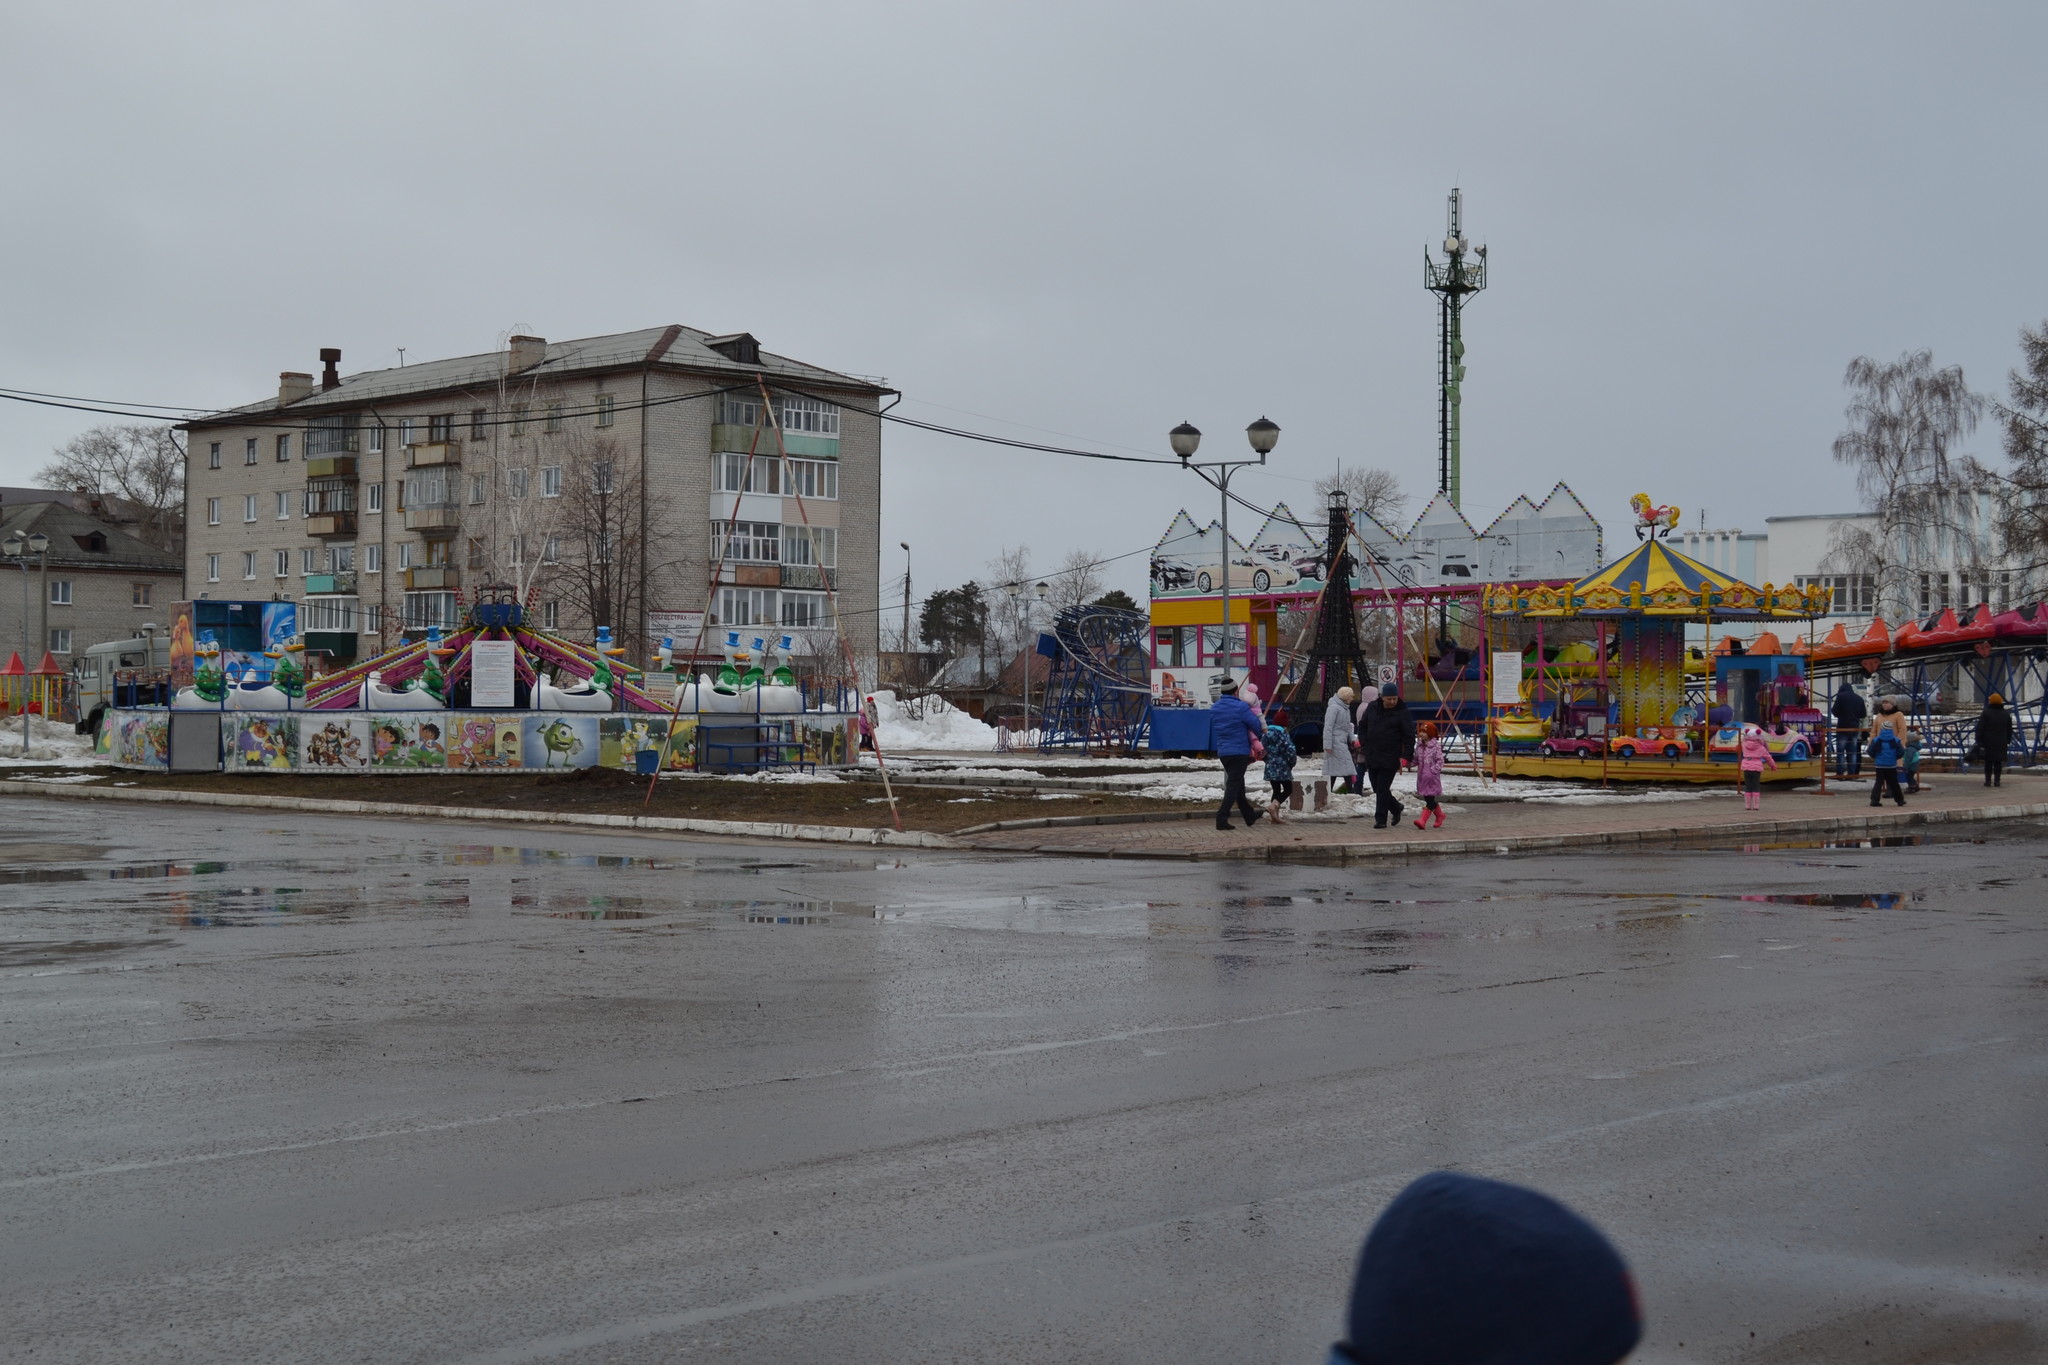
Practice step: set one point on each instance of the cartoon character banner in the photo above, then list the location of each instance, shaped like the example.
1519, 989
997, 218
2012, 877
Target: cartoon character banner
483, 742
408, 739
560, 740
261, 741
334, 742
622, 739
135, 739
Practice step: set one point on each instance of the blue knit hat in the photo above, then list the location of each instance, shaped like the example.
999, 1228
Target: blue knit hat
1463, 1271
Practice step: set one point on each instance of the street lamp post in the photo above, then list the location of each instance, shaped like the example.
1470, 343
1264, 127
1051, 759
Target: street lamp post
1185, 439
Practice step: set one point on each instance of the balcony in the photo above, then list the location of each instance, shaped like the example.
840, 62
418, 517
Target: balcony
331, 524
809, 576
332, 467
327, 584
726, 436
445, 518
429, 454
438, 578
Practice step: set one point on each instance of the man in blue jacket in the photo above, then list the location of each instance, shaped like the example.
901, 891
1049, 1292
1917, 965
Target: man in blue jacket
1232, 727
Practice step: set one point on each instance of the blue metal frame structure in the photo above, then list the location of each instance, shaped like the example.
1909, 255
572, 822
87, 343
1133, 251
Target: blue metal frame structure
2017, 672
1099, 694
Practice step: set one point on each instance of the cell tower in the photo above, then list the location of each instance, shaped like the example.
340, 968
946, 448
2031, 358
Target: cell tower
1452, 282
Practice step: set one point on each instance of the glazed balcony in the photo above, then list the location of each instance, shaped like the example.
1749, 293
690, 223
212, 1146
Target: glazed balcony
326, 584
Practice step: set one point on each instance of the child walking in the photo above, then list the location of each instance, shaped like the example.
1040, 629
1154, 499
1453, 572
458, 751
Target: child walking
1910, 764
1885, 752
1756, 756
1429, 773
1280, 758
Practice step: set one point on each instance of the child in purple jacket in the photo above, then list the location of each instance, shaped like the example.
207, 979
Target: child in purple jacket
1429, 773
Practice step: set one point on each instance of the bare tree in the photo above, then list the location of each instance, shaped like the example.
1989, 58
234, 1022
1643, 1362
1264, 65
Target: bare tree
1375, 492
595, 527
1077, 581
1929, 500
1010, 591
138, 468
2023, 502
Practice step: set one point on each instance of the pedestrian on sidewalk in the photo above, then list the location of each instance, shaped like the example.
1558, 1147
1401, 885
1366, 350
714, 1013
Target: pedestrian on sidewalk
1464, 1271
1886, 749
1848, 711
1429, 773
1387, 746
1367, 695
1994, 737
1338, 732
1756, 756
1910, 764
1890, 717
1280, 756
1233, 731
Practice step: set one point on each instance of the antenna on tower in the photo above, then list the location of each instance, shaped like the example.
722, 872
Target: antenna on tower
1459, 277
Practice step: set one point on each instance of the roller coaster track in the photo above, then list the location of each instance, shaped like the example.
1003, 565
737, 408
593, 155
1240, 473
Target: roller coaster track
1099, 693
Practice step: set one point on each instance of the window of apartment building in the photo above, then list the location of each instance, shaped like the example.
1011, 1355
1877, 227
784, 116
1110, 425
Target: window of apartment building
60, 639
282, 565
284, 505
1933, 592
373, 438
817, 545
284, 447
430, 488
554, 417
551, 481
306, 560
248, 563
142, 594
60, 592
213, 568
747, 542
812, 479
747, 607
1855, 594
516, 549
341, 559
601, 548
601, 476
550, 615
437, 554
423, 609
373, 497
741, 473
802, 609
810, 416
213, 454
329, 614
476, 555
405, 431
249, 451
604, 409
405, 554
335, 435
479, 484
477, 417
373, 559
551, 550
213, 511
515, 483
373, 618
441, 427
519, 411
248, 507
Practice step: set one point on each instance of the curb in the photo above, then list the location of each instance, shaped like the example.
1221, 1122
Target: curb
757, 829
1749, 832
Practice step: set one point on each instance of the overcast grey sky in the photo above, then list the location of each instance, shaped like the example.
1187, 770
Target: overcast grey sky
1090, 219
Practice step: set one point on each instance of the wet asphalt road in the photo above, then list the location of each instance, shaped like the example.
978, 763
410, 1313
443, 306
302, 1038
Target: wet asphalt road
286, 1089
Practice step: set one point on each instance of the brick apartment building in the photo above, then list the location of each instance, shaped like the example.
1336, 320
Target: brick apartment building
95, 582
605, 480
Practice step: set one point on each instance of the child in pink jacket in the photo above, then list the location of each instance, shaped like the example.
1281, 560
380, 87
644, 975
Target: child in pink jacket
1429, 773
1756, 756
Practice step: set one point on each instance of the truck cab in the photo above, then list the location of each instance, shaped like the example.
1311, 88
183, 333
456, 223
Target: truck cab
133, 672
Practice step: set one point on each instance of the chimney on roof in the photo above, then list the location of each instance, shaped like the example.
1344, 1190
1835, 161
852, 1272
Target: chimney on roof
740, 347
526, 353
330, 378
292, 386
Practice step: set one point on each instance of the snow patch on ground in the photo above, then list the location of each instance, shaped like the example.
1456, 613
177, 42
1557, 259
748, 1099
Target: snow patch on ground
937, 724
51, 743
790, 777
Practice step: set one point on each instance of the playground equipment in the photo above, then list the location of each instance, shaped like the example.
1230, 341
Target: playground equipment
1099, 693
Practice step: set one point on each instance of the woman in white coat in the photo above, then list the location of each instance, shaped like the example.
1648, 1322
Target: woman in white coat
1338, 732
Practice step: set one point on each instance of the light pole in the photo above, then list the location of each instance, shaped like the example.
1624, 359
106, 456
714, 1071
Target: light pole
904, 657
1185, 439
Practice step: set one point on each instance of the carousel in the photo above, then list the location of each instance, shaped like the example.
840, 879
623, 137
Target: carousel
1595, 678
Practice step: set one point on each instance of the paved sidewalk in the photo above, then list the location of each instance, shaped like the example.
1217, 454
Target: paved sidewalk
1844, 810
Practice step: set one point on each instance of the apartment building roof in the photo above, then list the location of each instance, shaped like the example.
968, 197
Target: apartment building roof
78, 541
671, 347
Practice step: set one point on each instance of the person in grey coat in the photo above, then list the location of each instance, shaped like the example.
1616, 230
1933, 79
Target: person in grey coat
1338, 732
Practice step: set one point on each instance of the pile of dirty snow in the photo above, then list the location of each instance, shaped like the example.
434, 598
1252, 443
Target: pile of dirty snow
940, 725
50, 742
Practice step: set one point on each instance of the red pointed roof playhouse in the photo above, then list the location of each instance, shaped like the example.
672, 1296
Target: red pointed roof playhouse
49, 667
14, 667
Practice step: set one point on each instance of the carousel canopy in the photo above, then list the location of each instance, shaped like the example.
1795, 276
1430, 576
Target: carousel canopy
1655, 580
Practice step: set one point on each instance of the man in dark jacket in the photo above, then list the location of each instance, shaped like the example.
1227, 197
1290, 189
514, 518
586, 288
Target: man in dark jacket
1994, 737
1849, 713
1232, 727
1385, 744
